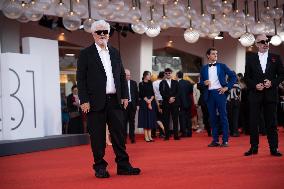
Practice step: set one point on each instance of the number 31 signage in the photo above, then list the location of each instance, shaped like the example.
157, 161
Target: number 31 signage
21, 96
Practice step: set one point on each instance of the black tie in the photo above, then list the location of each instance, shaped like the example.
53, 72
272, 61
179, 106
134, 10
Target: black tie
212, 64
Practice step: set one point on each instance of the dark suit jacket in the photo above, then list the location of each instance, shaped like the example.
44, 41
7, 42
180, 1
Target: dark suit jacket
185, 89
134, 93
167, 92
91, 77
222, 72
254, 75
70, 106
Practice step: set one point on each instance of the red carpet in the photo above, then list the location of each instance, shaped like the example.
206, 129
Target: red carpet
187, 163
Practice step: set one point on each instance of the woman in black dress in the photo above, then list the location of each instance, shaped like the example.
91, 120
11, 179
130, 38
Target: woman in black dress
147, 110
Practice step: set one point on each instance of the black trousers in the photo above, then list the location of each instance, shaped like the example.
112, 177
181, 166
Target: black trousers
269, 113
174, 112
233, 115
75, 125
205, 114
280, 114
244, 116
129, 116
185, 121
112, 115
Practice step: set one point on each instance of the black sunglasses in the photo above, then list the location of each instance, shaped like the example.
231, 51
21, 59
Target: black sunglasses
264, 41
99, 32
168, 73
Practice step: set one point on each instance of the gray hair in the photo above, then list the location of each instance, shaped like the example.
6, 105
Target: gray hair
100, 23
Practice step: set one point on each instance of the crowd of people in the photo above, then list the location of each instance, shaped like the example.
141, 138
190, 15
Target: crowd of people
188, 110
222, 102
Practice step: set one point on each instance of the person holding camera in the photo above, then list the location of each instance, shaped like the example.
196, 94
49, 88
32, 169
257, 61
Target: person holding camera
263, 73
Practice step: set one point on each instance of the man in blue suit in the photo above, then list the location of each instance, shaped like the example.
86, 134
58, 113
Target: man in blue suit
213, 80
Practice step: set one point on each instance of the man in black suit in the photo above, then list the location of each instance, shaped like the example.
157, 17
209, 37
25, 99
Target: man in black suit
102, 91
170, 93
131, 108
263, 73
185, 91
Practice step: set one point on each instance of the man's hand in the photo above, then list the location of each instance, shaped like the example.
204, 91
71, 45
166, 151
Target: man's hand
124, 102
85, 107
267, 83
207, 83
222, 90
259, 87
160, 109
172, 100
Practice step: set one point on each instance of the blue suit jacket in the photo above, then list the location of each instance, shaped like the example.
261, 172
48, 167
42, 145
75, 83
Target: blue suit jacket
222, 72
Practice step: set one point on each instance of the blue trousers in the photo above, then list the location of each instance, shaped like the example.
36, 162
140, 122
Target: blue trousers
217, 102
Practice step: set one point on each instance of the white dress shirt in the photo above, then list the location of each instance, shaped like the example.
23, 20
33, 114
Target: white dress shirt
169, 82
156, 87
213, 78
263, 60
105, 58
128, 83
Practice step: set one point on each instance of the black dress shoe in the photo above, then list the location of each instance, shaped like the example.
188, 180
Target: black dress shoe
167, 138
176, 138
102, 173
275, 153
132, 141
214, 144
128, 171
251, 151
224, 144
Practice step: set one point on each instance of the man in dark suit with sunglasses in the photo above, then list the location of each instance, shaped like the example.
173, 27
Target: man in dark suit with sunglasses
169, 90
263, 73
103, 94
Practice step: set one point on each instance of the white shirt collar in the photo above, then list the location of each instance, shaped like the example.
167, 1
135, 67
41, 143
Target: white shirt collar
263, 54
99, 48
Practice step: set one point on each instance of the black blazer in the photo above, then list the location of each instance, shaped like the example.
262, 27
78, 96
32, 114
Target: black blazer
167, 92
91, 77
134, 93
254, 75
185, 90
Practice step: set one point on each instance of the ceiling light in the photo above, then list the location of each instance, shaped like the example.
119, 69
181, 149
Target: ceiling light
220, 36
69, 54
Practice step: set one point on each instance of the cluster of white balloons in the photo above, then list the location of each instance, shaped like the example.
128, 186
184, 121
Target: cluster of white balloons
154, 15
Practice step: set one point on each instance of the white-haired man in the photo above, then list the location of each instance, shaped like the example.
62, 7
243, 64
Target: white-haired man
264, 71
103, 94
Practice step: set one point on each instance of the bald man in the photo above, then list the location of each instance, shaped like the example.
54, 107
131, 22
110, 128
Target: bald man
130, 111
263, 73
